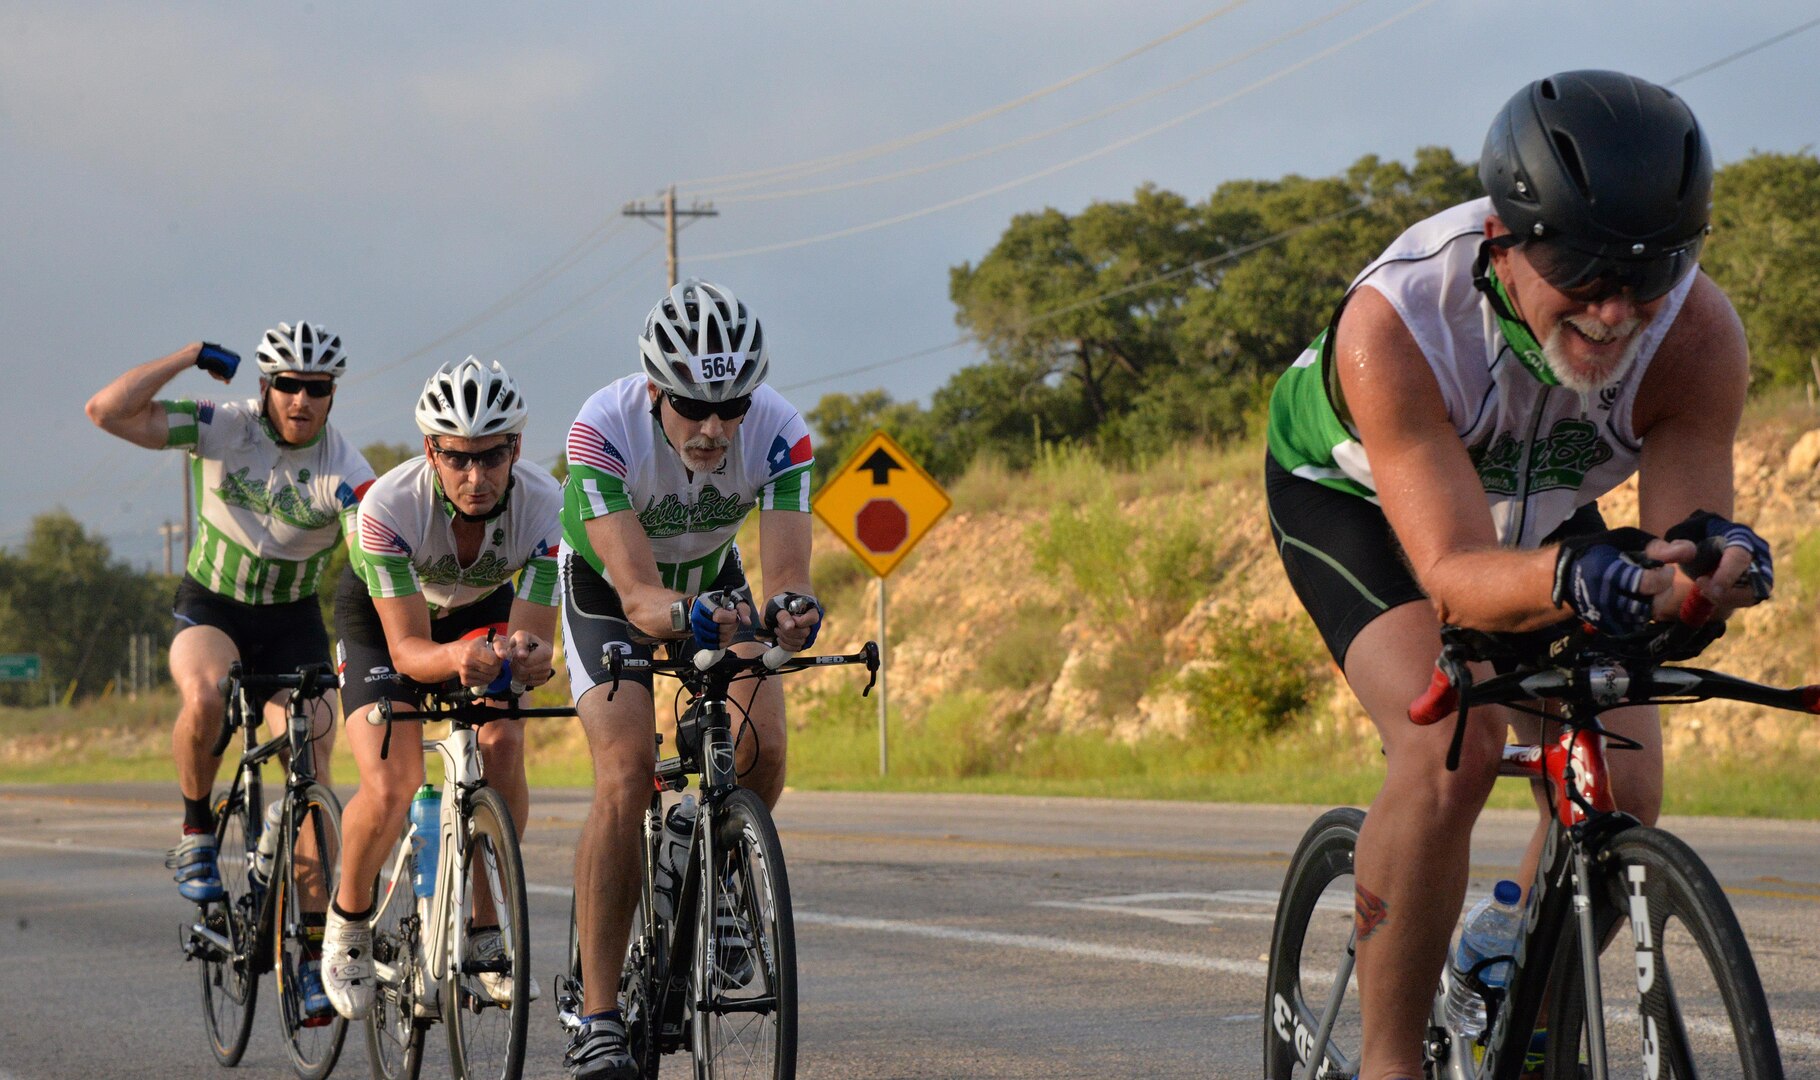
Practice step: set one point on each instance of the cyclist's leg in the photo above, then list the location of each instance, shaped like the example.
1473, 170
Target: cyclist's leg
1414, 849
606, 854
200, 656
374, 816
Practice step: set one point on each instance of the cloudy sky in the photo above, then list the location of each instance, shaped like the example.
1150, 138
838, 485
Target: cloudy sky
431, 181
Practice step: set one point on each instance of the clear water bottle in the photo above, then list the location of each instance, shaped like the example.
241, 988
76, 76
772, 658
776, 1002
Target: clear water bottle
426, 838
672, 851
1491, 929
267, 848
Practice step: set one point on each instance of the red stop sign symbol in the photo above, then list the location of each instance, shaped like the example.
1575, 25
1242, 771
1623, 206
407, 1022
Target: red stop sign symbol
882, 525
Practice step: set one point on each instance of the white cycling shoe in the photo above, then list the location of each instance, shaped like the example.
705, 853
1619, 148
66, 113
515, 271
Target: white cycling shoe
347, 965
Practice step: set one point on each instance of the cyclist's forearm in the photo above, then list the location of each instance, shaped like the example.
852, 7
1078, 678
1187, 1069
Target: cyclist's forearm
426, 661
125, 406
1494, 589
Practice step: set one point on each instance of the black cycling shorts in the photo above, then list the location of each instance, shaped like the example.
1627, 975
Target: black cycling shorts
1342, 558
273, 639
363, 658
593, 620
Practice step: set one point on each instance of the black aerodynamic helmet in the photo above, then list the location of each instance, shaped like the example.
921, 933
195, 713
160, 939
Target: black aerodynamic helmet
1605, 175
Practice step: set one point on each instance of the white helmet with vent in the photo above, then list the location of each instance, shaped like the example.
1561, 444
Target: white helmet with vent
301, 348
700, 342
471, 399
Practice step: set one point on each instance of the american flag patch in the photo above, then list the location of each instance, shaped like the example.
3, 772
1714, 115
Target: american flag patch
378, 538
589, 447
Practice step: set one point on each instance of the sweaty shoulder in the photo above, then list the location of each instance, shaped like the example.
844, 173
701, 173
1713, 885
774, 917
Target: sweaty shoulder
1703, 362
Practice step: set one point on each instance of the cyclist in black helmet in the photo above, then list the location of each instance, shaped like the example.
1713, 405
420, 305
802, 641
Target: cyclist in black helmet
1436, 455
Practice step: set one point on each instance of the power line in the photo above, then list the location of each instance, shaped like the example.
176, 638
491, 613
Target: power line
738, 181
1043, 316
1026, 140
1744, 52
898, 219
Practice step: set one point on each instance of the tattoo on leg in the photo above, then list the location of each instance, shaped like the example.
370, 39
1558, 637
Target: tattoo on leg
1369, 911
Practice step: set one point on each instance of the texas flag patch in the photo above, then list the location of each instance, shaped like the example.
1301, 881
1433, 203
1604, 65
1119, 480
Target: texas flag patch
784, 455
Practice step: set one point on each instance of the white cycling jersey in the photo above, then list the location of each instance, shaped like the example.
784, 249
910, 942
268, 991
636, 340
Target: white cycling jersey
407, 540
619, 459
268, 514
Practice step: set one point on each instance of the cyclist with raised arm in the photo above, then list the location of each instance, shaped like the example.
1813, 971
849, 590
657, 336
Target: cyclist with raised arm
440, 539
274, 485
1436, 455
664, 465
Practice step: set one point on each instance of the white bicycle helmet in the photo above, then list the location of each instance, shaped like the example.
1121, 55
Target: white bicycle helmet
303, 348
700, 342
470, 399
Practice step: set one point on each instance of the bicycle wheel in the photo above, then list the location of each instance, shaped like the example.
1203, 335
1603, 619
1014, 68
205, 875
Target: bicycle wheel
308, 853
744, 1021
230, 980
1309, 947
487, 1026
394, 1032
1680, 991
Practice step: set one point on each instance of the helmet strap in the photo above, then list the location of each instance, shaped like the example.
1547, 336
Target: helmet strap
1517, 334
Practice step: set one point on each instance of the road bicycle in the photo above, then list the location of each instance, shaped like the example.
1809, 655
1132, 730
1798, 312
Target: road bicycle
423, 972
1629, 956
266, 925
719, 975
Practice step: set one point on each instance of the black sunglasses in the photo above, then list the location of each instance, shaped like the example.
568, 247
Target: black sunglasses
461, 460
316, 388
1589, 277
697, 410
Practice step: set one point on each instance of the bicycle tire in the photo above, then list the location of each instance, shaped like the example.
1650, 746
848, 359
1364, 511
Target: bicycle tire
313, 1047
395, 1035
744, 1028
1685, 981
480, 1045
230, 984
1303, 941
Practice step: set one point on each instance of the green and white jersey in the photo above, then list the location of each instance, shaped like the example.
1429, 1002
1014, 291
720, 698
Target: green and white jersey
268, 514
1541, 451
620, 460
406, 540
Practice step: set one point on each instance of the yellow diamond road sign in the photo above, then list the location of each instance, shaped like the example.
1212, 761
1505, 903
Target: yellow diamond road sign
881, 503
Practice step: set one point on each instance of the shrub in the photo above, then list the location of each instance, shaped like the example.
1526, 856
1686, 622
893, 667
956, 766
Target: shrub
1260, 676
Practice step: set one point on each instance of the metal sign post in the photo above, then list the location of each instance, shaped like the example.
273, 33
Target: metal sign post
881, 503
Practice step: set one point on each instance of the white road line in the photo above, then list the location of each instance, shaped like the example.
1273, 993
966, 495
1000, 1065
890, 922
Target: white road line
72, 847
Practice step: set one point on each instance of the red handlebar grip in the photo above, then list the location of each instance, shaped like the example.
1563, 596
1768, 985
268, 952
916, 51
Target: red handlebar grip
1437, 702
1696, 609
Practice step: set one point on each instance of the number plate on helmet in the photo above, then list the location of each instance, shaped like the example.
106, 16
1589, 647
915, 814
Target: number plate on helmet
718, 367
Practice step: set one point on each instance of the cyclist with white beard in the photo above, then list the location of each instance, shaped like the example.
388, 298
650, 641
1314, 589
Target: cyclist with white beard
1436, 456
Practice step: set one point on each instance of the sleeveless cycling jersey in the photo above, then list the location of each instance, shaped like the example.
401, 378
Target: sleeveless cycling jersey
407, 540
1541, 451
268, 515
620, 460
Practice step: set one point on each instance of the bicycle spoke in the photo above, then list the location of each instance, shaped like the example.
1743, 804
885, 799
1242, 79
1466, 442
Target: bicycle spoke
229, 985
745, 1017
306, 854
484, 1004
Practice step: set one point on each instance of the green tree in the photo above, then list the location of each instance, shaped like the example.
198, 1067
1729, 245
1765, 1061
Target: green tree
842, 422
1766, 229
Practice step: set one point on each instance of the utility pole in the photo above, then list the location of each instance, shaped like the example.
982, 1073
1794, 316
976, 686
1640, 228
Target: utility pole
668, 211
170, 532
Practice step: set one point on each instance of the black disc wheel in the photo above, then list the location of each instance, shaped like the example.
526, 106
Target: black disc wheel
1679, 988
394, 1030
308, 853
1310, 948
225, 953
482, 1003
744, 1019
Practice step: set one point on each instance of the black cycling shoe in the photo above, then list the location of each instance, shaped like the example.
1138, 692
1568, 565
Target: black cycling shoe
599, 1052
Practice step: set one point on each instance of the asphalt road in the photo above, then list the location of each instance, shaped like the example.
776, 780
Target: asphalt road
939, 936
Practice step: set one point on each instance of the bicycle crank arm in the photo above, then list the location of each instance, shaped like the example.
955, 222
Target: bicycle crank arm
201, 943
764, 1004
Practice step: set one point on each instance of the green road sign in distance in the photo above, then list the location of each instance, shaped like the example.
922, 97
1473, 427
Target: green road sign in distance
19, 667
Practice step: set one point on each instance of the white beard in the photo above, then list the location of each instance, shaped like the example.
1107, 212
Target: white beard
1587, 385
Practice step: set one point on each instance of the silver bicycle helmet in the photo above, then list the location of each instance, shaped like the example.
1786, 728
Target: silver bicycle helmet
700, 342
303, 348
469, 399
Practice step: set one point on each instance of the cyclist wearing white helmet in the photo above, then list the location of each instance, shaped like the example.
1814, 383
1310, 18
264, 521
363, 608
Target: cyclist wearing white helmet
664, 465
1436, 456
440, 539
274, 486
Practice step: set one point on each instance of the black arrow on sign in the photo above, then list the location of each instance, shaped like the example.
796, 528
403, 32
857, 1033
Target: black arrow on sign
880, 465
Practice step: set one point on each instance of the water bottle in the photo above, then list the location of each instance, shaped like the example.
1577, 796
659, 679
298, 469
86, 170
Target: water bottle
426, 838
1491, 929
267, 848
672, 851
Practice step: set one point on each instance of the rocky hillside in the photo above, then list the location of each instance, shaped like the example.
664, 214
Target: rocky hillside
1046, 601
